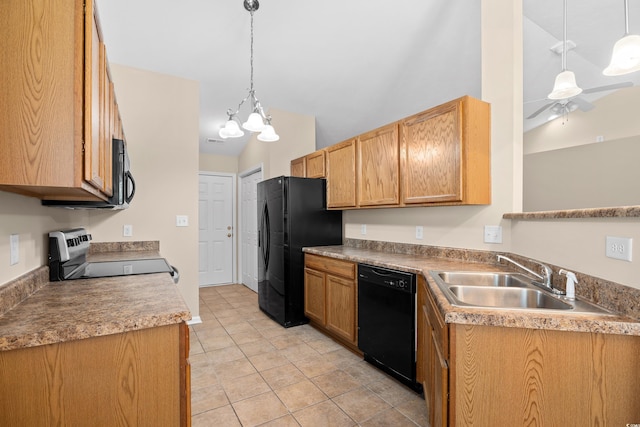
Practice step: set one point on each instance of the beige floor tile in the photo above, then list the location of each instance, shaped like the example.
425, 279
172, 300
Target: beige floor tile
299, 352
323, 414
224, 416
203, 377
313, 366
213, 343
361, 404
300, 395
364, 372
416, 411
285, 341
254, 348
387, 418
286, 421
271, 330
238, 327
227, 354
244, 387
282, 376
259, 409
234, 369
265, 361
336, 383
323, 345
392, 392
246, 337
207, 398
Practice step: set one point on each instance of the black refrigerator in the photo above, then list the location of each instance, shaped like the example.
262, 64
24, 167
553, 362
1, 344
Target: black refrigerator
292, 214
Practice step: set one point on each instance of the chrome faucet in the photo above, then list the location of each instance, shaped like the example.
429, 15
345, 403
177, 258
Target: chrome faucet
545, 277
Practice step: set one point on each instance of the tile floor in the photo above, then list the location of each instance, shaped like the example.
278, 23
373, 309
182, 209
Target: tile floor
246, 370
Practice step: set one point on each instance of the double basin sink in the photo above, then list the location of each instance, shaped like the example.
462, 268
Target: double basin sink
504, 290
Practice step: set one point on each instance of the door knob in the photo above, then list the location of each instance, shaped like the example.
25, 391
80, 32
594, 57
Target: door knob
229, 228
229, 235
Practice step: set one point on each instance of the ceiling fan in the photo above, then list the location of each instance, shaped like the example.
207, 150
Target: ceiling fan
571, 104
564, 96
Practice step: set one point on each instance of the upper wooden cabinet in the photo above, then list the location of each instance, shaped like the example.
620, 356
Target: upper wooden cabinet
341, 175
310, 166
55, 120
316, 165
445, 154
379, 167
299, 167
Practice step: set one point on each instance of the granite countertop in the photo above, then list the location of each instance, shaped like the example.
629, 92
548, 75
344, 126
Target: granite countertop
54, 312
422, 264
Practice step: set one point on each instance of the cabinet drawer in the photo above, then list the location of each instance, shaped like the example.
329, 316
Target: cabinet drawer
336, 267
440, 330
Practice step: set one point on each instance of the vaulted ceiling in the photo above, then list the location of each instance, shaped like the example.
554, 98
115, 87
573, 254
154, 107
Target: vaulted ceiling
354, 65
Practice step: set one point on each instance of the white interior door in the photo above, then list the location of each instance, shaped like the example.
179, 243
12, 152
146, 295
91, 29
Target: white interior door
249, 227
216, 229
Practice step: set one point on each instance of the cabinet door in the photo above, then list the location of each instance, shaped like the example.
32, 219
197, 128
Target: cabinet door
341, 307
316, 165
95, 76
298, 167
440, 387
314, 295
341, 175
379, 167
431, 155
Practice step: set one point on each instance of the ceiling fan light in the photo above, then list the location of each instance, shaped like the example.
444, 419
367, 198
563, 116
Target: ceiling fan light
268, 134
565, 86
231, 130
625, 58
254, 123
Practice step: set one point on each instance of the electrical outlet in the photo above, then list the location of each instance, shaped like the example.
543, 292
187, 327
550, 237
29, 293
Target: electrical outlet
363, 229
127, 230
182, 221
492, 234
14, 245
419, 232
619, 248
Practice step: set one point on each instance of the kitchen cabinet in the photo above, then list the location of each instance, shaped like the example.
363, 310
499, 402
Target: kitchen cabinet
330, 297
490, 375
57, 105
309, 166
134, 378
445, 154
299, 167
341, 175
378, 167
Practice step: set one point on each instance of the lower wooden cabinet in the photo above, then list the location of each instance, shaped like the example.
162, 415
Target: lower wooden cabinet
498, 376
330, 297
134, 378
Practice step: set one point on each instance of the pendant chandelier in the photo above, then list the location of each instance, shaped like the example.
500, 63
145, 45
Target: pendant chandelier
626, 52
565, 84
257, 120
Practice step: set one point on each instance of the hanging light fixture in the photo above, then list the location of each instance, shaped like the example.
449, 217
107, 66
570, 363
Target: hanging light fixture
257, 120
565, 85
626, 52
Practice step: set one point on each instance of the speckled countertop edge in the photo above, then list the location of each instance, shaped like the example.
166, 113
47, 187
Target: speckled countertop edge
53, 312
613, 212
462, 260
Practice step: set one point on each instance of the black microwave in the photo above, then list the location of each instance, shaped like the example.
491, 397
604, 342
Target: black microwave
124, 186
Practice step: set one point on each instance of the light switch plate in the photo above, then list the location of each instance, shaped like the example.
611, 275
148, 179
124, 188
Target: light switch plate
182, 221
492, 234
363, 229
127, 230
419, 232
14, 245
619, 248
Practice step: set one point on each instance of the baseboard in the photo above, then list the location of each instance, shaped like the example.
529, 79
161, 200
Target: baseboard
194, 320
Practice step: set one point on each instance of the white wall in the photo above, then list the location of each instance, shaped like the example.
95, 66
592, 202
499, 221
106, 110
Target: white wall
215, 163
160, 114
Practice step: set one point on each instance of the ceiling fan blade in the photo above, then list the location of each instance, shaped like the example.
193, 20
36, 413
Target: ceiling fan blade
608, 87
582, 104
540, 110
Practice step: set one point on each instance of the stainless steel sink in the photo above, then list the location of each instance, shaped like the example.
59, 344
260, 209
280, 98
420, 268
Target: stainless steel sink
472, 278
507, 297
505, 290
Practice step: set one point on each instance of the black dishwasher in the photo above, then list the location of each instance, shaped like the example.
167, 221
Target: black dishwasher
386, 321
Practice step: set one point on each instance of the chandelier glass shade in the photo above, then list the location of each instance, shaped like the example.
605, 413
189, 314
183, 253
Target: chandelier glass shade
257, 121
565, 85
625, 58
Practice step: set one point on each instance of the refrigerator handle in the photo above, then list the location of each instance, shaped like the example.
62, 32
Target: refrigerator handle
267, 236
